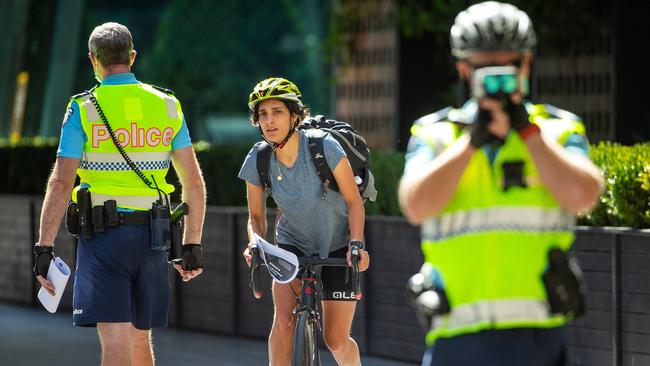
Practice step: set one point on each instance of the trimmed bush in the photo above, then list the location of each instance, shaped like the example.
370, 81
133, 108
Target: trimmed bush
27, 165
387, 166
625, 201
220, 165
626, 198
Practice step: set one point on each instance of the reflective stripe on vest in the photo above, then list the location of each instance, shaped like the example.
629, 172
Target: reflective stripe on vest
89, 108
497, 310
505, 218
492, 314
112, 161
172, 111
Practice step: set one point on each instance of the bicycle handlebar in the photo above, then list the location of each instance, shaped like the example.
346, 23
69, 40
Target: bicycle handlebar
308, 263
256, 262
356, 257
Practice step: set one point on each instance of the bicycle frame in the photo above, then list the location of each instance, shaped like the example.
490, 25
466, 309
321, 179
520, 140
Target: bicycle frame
307, 311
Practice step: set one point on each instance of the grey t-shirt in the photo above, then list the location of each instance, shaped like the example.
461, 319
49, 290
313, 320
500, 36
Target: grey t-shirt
313, 225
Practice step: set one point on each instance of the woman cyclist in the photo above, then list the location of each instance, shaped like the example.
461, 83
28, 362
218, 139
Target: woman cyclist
310, 224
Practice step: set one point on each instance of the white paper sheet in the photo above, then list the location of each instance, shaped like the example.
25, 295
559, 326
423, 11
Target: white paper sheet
282, 264
58, 274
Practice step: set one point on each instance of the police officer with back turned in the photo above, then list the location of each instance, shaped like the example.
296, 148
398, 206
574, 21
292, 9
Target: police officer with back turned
120, 138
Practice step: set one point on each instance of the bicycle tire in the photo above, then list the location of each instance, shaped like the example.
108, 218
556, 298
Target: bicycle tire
305, 348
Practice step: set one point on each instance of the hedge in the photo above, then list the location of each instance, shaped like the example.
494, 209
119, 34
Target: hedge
626, 197
27, 165
625, 200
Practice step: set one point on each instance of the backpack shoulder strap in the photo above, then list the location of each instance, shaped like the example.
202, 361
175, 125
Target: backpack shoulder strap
263, 161
320, 163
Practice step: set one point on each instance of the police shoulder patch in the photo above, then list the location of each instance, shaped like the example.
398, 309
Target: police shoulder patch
68, 113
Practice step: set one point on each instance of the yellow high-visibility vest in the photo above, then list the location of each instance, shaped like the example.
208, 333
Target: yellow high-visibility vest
489, 246
145, 120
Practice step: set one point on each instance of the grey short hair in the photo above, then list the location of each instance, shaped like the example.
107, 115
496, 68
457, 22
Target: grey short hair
111, 43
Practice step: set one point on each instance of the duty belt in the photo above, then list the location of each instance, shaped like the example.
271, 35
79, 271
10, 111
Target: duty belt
134, 218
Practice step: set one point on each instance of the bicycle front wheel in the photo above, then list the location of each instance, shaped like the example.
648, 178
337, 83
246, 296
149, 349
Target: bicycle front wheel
305, 348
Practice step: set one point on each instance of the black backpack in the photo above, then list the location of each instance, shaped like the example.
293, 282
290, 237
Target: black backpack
353, 144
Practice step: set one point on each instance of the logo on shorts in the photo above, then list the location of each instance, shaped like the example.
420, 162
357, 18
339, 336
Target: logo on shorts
341, 295
77, 312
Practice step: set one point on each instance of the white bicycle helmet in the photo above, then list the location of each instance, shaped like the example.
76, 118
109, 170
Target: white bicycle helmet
491, 26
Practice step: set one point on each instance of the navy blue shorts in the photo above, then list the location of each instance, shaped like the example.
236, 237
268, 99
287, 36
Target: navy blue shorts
120, 279
506, 347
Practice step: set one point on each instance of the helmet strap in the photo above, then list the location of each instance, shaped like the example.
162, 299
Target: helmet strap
284, 141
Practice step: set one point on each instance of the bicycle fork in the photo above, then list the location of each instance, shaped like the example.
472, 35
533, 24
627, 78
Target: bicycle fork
307, 301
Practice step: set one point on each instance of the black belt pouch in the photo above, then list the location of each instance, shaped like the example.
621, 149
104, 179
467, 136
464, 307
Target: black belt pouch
161, 233
72, 219
564, 284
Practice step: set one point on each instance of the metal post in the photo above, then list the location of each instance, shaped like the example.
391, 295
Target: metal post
234, 273
33, 227
616, 301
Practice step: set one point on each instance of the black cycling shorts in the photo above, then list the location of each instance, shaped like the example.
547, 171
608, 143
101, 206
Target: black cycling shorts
333, 279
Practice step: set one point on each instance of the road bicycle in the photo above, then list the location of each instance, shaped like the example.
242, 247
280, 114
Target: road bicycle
308, 310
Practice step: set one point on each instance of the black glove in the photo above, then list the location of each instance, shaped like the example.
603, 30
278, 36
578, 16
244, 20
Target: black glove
43, 256
479, 133
518, 116
191, 257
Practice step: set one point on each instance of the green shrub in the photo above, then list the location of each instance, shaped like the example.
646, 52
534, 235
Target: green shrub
387, 166
220, 165
625, 200
27, 165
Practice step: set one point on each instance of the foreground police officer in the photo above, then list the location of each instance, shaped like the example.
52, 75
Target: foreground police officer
495, 185
121, 283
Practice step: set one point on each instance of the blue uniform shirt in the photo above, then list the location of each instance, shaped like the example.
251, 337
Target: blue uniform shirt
73, 137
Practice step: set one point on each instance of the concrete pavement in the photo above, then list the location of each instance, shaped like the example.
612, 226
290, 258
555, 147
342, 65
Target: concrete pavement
31, 336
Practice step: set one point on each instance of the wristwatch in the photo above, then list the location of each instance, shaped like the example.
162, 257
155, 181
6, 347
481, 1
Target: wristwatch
358, 243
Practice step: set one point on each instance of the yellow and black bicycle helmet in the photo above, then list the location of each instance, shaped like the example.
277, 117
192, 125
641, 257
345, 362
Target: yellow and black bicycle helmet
274, 88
